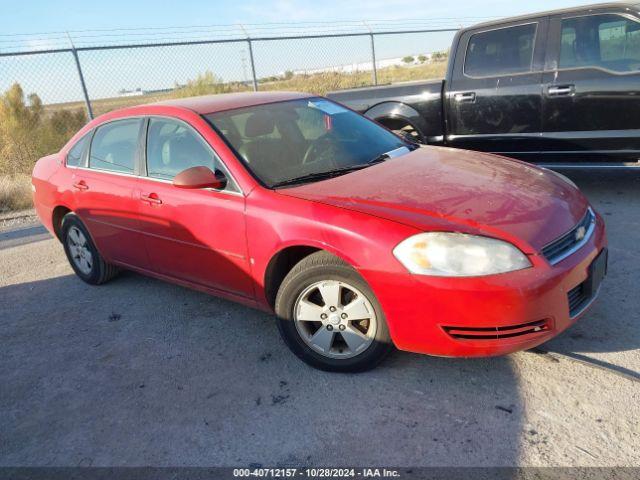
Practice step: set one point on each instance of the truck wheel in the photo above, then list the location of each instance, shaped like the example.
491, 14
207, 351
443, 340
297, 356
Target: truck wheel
82, 254
403, 129
330, 318
410, 133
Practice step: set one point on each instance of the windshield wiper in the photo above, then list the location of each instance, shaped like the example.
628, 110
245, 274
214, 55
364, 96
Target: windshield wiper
339, 171
319, 175
380, 158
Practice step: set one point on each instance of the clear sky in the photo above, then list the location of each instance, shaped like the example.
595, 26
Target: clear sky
60, 15
41, 24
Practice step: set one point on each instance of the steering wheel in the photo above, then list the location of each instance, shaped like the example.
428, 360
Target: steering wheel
319, 150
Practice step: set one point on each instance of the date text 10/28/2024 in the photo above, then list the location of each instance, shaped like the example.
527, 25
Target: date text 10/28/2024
316, 472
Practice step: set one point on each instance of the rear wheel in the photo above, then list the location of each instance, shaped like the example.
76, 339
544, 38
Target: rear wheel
82, 254
330, 318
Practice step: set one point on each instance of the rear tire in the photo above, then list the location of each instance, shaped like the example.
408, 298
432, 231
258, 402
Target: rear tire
82, 254
330, 318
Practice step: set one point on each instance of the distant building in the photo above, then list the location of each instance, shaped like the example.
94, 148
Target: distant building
364, 66
138, 92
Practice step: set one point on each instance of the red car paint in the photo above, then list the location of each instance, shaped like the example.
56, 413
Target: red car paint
223, 244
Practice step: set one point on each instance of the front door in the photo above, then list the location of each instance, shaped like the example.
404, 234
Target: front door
494, 96
193, 235
592, 88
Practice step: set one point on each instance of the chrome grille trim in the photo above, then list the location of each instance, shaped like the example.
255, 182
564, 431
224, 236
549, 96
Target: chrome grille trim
566, 245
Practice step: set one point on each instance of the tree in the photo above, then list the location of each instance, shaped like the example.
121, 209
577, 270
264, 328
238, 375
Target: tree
206, 83
440, 56
28, 131
408, 59
422, 58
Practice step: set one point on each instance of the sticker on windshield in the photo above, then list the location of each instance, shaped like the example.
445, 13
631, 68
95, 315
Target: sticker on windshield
327, 107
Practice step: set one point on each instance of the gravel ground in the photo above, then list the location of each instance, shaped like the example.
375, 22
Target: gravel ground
16, 219
140, 372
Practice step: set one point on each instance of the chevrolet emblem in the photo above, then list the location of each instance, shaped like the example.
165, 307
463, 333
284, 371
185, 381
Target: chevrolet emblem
580, 233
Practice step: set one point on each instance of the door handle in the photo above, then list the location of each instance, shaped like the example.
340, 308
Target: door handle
561, 90
81, 185
151, 198
466, 97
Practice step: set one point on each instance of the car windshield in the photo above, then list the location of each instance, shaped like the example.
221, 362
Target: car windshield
305, 140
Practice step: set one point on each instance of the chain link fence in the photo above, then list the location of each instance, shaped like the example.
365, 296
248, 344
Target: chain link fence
101, 78
48, 94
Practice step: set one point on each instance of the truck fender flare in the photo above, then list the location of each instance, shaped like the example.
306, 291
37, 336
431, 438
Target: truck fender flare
401, 111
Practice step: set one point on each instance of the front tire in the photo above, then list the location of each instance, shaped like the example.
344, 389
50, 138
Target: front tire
330, 318
82, 254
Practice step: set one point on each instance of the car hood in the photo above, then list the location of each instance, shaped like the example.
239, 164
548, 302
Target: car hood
434, 188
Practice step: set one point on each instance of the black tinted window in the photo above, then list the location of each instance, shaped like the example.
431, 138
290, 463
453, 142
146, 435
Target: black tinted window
606, 41
114, 146
173, 147
74, 157
500, 52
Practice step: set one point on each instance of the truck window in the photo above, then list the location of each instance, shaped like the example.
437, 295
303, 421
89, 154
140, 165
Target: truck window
609, 41
501, 52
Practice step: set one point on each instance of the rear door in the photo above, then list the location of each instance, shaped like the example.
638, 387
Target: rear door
494, 98
592, 87
106, 191
193, 235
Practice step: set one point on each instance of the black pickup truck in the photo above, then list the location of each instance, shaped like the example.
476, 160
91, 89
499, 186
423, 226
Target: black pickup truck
560, 87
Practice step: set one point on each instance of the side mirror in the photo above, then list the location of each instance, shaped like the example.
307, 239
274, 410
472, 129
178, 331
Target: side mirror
200, 177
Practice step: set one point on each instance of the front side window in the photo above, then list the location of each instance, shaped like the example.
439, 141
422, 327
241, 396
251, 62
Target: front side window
292, 140
115, 145
501, 52
74, 157
173, 146
611, 42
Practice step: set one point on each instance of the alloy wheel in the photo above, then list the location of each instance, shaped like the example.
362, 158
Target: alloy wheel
79, 250
335, 319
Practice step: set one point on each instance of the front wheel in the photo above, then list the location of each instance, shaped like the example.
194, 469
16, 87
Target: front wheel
329, 316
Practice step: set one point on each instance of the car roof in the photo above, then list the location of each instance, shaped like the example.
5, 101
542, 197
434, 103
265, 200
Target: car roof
580, 9
229, 101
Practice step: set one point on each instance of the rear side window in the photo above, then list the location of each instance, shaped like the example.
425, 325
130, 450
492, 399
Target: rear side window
115, 145
74, 157
501, 52
611, 42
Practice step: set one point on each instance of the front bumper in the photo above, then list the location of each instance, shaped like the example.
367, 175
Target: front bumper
485, 316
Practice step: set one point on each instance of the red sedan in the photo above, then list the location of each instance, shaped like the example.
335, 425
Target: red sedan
357, 239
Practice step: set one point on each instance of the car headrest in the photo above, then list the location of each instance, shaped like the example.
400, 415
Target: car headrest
260, 123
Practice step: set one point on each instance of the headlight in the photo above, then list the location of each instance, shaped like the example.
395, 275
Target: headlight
446, 254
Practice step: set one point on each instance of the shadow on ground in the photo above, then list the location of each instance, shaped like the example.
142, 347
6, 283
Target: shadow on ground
140, 372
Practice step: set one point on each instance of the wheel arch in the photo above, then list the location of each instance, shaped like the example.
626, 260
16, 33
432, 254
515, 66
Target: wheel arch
398, 111
57, 215
282, 261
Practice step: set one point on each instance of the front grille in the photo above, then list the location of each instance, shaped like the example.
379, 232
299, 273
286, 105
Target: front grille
496, 333
564, 246
578, 298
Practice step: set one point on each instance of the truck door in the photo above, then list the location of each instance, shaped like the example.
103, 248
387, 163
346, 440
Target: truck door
494, 96
591, 106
